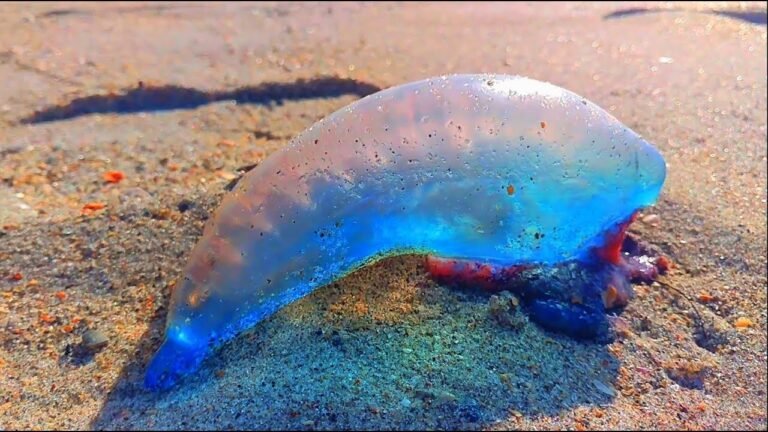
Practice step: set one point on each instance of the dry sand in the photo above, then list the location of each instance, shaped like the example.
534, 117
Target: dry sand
386, 347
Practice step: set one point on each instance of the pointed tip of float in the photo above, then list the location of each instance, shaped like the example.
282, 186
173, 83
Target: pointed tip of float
172, 361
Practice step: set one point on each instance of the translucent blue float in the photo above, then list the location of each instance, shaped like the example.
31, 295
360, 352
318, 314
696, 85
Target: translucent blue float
495, 169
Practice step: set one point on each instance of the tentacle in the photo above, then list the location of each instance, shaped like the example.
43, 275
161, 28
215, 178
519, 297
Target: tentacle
468, 273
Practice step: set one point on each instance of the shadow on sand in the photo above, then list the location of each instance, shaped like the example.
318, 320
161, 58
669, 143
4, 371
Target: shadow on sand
170, 97
759, 17
440, 361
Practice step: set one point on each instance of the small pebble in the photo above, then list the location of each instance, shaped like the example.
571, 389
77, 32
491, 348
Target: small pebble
504, 309
743, 323
185, 204
94, 340
604, 388
651, 219
445, 397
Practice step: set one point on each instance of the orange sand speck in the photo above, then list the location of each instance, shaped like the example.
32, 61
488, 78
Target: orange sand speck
113, 176
743, 322
93, 206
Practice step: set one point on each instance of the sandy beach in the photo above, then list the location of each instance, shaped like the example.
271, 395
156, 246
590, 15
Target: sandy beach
121, 125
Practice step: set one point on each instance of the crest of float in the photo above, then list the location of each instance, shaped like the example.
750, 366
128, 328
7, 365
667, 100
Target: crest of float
491, 168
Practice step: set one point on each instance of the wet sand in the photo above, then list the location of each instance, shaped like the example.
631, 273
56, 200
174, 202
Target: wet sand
177, 97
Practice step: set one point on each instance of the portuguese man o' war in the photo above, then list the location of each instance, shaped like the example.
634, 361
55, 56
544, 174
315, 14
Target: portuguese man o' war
494, 169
